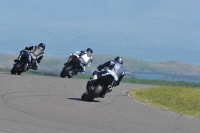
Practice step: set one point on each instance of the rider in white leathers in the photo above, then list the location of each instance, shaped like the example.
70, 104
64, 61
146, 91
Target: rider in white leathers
85, 59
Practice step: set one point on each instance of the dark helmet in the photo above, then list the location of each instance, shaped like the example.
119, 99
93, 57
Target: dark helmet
89, 49
119, 59
42, 45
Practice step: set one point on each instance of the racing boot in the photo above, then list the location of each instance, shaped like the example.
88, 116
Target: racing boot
34, 67
79, 70
70, 73
34, 64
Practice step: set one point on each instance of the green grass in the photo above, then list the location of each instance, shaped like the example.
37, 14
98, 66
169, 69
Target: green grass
182, 100
162, 82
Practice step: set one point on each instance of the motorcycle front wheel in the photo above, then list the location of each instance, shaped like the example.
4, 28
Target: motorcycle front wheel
66, 70
16, 69
83, 96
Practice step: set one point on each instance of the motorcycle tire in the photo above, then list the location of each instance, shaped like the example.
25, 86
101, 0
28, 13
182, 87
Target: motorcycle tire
16, 69
63, 74
83, 96
94, 93
65, 71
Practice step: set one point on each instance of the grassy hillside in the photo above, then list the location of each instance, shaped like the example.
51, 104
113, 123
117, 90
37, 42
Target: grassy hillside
171, 69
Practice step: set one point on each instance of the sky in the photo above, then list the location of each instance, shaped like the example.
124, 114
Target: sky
156, 30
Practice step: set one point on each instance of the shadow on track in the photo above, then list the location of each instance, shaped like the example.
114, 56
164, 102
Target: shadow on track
8, 73
79, 99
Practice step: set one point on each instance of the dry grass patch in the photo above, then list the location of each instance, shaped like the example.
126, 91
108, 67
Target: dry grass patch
177, 99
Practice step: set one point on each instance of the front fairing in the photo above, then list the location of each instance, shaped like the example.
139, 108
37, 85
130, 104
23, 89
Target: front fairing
74, 61
26, 58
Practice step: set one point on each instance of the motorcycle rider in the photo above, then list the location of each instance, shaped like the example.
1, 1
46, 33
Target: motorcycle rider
112, 70
36, 53
85, 59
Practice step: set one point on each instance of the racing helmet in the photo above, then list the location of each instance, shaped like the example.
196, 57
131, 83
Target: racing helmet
119, 59
89, 49
42, 45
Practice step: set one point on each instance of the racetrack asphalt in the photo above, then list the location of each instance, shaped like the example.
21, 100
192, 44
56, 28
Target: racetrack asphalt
44, 104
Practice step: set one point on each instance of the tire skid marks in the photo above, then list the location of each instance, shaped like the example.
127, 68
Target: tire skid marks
11, 95
70, 92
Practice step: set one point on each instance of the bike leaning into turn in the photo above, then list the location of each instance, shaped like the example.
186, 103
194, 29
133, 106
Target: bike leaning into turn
24, 64
98, 87
70, 67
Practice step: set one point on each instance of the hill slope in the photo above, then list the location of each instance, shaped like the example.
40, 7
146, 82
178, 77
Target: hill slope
132, 66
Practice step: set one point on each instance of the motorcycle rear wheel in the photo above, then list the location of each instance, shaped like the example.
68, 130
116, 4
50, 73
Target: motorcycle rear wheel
94, 93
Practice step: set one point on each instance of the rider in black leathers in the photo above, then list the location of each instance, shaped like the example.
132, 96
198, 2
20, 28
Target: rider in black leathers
36, 53
112, 70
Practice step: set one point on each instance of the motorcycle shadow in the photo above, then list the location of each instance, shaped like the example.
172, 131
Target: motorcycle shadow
7, 73
79, 99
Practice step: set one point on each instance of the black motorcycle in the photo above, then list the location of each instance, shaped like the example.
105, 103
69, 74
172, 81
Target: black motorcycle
70, 67
97, 88
22, 65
